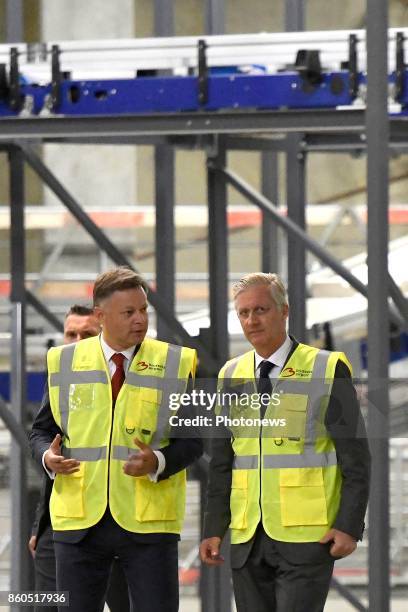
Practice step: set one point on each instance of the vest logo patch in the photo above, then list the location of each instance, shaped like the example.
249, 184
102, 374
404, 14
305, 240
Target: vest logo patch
141, 365
144, 365
288, 372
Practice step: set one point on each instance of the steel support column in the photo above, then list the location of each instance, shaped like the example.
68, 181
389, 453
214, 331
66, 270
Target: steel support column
163, 17
270, 233
218, 254
165, 234
18, 474
294, 15
295, 194
164, 164
377, 130
14, 21
180, 334
215, 17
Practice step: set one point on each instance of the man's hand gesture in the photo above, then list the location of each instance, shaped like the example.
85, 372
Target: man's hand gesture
55, 462
141, 463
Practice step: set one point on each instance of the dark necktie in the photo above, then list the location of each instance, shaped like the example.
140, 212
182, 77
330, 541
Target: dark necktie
264, 382
118, 377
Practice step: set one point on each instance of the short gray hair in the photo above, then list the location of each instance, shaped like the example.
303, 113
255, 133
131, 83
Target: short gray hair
269, 279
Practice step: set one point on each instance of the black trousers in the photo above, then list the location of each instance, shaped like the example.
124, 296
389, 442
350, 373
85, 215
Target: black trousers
44, 566
272, 582
117, 596
151, 569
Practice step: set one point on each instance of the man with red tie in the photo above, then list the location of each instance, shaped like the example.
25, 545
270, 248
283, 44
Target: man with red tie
80, 323
120, 478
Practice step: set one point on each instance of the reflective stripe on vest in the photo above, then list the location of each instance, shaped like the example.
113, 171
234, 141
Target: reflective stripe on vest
100, 439
67, 377
84, 453
245, 462
168, 385
293, 484
315, 389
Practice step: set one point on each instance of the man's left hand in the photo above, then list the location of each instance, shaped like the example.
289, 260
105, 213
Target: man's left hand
343, 543
142, 463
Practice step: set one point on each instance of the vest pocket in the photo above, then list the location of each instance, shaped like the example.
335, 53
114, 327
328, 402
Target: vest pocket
239, 499
68, 494
155, 501
302, 497
293, 409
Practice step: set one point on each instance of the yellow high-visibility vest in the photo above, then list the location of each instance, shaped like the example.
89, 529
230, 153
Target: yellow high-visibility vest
285, 470
102, 439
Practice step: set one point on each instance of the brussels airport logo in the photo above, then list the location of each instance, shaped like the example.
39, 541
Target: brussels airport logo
288, 372
143, 365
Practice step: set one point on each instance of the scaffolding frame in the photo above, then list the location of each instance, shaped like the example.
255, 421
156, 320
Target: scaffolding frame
305, 132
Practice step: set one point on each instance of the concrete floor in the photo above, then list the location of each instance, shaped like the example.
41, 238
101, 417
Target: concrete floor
334, 604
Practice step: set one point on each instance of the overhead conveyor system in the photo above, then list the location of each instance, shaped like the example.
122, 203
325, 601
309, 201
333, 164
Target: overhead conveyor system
215, 73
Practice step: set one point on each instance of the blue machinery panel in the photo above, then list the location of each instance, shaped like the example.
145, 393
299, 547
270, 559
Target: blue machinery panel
35, 386
177, 94
302, 85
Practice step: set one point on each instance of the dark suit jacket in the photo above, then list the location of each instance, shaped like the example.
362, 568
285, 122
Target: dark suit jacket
346, 427
42, 512
180, 453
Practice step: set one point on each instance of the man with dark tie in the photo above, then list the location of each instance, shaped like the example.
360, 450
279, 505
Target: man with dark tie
293, 488
119, 487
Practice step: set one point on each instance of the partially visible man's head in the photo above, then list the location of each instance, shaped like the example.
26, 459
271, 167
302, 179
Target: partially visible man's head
80, 323
120, 305
262, 307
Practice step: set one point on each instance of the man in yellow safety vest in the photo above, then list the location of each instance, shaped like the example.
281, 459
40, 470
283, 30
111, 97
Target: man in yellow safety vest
291, 476
104, 435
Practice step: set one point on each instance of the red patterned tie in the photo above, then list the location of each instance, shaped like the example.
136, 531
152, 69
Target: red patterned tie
118, 376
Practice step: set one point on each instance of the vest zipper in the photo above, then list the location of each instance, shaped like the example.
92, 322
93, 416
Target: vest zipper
109, 458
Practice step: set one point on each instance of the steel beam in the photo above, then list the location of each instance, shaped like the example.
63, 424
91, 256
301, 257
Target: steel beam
270, 189
33, 301
214, 17
255, 143
164, 165
296, 261
179, 333
293, 230
19, 434
227, 122
218, 254
18, 474
165, 235
294, 16
377, 315
348, 595
163, 17
14, 21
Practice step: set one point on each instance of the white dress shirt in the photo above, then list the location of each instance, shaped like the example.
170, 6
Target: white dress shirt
128, 354
278, 358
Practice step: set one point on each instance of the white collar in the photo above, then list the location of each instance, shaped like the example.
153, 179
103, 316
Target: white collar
279, 357
108, 351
